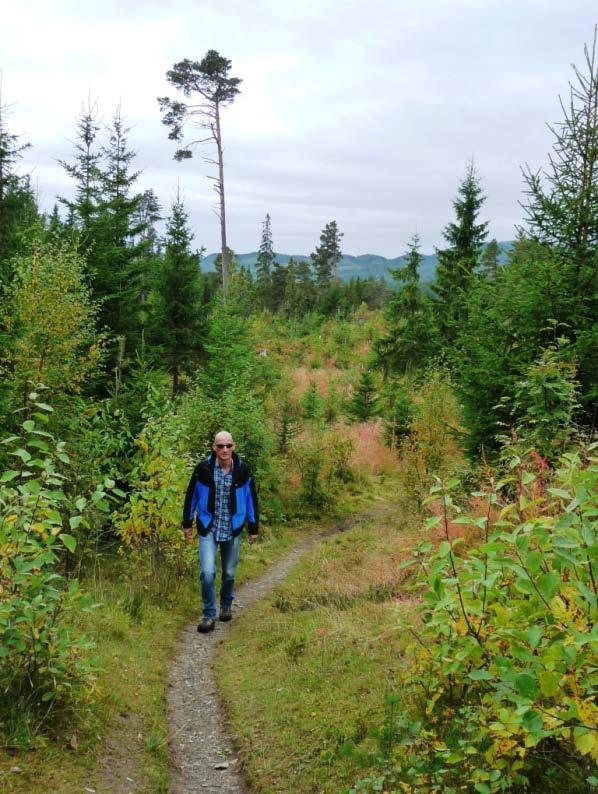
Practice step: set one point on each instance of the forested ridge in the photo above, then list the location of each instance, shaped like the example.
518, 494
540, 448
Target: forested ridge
469, 402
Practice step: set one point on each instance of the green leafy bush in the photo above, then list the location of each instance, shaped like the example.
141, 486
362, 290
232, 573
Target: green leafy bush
150, 523
545, 401
44, 664
500, 690
59, 345
432, 445
323, 460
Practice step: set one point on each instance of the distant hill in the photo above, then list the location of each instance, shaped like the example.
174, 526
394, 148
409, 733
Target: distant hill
363, 266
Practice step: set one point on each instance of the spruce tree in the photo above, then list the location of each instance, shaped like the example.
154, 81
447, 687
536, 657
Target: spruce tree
306, 287
119, 277
364, 402
230, 361
175, 303
106, 213
311, 403
562, 213
489, 263
265, 265
287, 422
85, 171
399, 411
279, 281
327, 255
245, 290
411, 337
408, 296
457, 263
145, 220
290, 301
562, 200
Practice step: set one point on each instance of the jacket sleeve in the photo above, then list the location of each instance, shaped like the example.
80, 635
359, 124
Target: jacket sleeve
253, 512
187, 516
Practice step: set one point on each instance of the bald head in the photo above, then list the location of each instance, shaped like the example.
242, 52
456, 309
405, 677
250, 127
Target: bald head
223, 447
223, 437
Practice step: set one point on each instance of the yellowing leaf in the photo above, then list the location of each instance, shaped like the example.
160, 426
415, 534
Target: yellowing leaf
586, 743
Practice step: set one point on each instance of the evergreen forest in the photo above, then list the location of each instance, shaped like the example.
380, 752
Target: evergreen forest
446, 642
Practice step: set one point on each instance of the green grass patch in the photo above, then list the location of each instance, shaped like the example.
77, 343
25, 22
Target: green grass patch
305, 673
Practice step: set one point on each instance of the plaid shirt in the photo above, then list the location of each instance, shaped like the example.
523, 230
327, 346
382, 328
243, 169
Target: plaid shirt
222, 527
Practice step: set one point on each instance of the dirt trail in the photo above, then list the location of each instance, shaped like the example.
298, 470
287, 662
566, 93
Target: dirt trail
202, 754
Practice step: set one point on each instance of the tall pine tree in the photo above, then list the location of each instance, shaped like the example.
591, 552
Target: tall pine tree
84, 169
175, 304
107, 214
209, 83
265, 265
119, 244
562, 214
327, 255
457, 263
411, 337
562, 200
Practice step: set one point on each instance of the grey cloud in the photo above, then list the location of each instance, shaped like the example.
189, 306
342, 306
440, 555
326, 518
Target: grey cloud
366, 114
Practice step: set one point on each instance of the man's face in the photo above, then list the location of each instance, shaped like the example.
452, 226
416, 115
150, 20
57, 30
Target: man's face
223, 447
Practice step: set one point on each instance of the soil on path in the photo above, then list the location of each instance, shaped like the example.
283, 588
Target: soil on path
203, 757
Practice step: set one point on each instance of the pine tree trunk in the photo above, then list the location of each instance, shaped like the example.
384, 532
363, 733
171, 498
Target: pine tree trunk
221, 196
175, 380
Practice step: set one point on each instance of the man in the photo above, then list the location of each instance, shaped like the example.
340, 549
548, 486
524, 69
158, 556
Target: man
221, 496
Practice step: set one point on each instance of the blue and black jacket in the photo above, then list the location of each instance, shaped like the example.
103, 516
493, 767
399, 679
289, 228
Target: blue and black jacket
200, 499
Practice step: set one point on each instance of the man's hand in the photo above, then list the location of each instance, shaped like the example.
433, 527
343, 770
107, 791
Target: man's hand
252, 538
188, 532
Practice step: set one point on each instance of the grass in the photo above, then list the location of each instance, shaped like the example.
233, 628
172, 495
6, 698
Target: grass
329, 650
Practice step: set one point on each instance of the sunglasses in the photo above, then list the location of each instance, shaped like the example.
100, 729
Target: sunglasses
224, 446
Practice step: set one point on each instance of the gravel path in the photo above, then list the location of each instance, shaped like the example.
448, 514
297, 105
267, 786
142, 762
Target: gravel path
202, 755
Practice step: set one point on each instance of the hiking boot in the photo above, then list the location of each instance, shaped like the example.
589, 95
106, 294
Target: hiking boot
205, 625
225, 614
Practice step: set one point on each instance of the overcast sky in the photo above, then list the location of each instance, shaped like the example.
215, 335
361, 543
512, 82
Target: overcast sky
366, 113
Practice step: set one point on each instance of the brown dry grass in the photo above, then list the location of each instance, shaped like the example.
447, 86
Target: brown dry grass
371, 455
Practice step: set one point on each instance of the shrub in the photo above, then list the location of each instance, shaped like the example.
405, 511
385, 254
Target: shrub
44, 664
545, 401
433, 444
323, 459
49, 317
307, 454
500, 690
150, 524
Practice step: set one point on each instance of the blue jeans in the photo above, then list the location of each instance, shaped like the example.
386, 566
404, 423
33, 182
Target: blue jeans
229, 557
